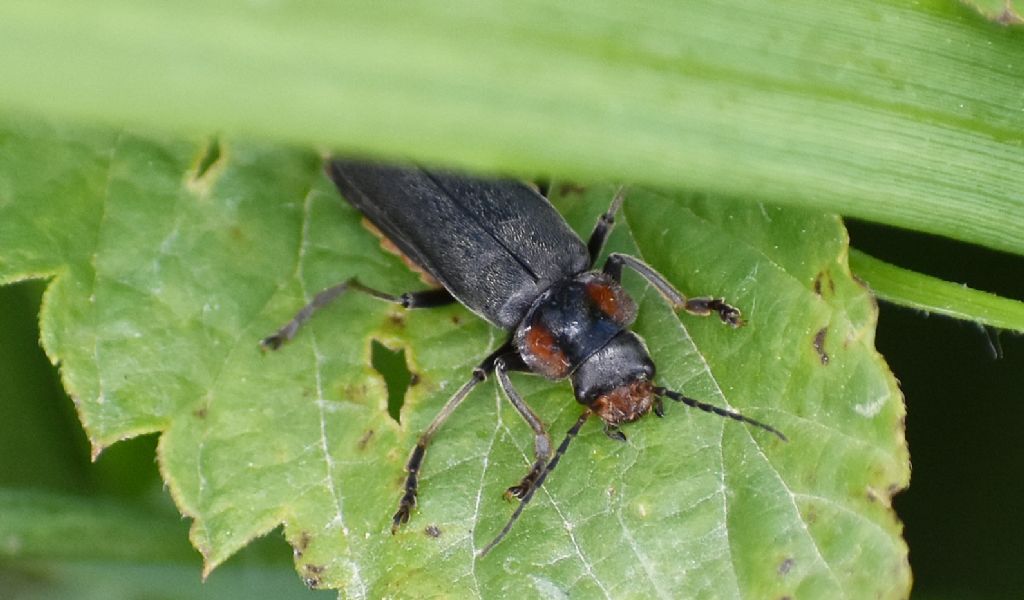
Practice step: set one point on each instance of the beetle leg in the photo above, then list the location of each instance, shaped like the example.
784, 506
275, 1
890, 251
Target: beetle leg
702, 306
613, 432
421, 299
418, 299
604, 226
575, 429
412, 467
541, 440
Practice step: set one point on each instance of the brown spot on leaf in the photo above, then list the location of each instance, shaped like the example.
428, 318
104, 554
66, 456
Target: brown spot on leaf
300, 546
352, 393
432, 531
786, 565
311, 575
821, 280
200, 413
819, 345
397, 319
456, 319
363, 441
414, 379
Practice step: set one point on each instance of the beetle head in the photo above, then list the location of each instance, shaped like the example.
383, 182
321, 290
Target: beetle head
616, 381
626, 403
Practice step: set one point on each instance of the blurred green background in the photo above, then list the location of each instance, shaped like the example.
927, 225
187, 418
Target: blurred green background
964, 413
961, 511
43, 449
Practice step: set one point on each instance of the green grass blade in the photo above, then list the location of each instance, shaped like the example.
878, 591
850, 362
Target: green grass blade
903, 113
922, 292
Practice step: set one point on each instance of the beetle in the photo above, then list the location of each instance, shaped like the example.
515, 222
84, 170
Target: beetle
502, 250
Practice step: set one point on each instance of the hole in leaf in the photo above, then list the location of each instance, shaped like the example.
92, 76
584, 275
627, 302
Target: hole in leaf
392, 367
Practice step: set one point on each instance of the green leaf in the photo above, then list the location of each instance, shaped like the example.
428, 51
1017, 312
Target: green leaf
906, 113
163, 281
907, 288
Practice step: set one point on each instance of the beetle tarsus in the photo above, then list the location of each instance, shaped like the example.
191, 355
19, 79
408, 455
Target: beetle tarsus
575, 429
705, 306
402, 514
614, 433
701, 306
729, 314
272, 342
408, 500
541, 440
520, 490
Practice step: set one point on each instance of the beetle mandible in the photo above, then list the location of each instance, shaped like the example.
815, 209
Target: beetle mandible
501, 249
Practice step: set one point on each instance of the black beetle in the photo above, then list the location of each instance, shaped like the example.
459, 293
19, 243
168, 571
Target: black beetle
500, 248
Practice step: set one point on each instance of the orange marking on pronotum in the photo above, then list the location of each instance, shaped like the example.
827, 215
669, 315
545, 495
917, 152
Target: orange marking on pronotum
608, 299
551, 360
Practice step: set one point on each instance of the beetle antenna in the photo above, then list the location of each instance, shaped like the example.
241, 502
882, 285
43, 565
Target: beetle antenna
540, 480
722, 412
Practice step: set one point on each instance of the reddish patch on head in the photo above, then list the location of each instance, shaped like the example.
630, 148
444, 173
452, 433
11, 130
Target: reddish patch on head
626, 403
543, 353
608, 298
